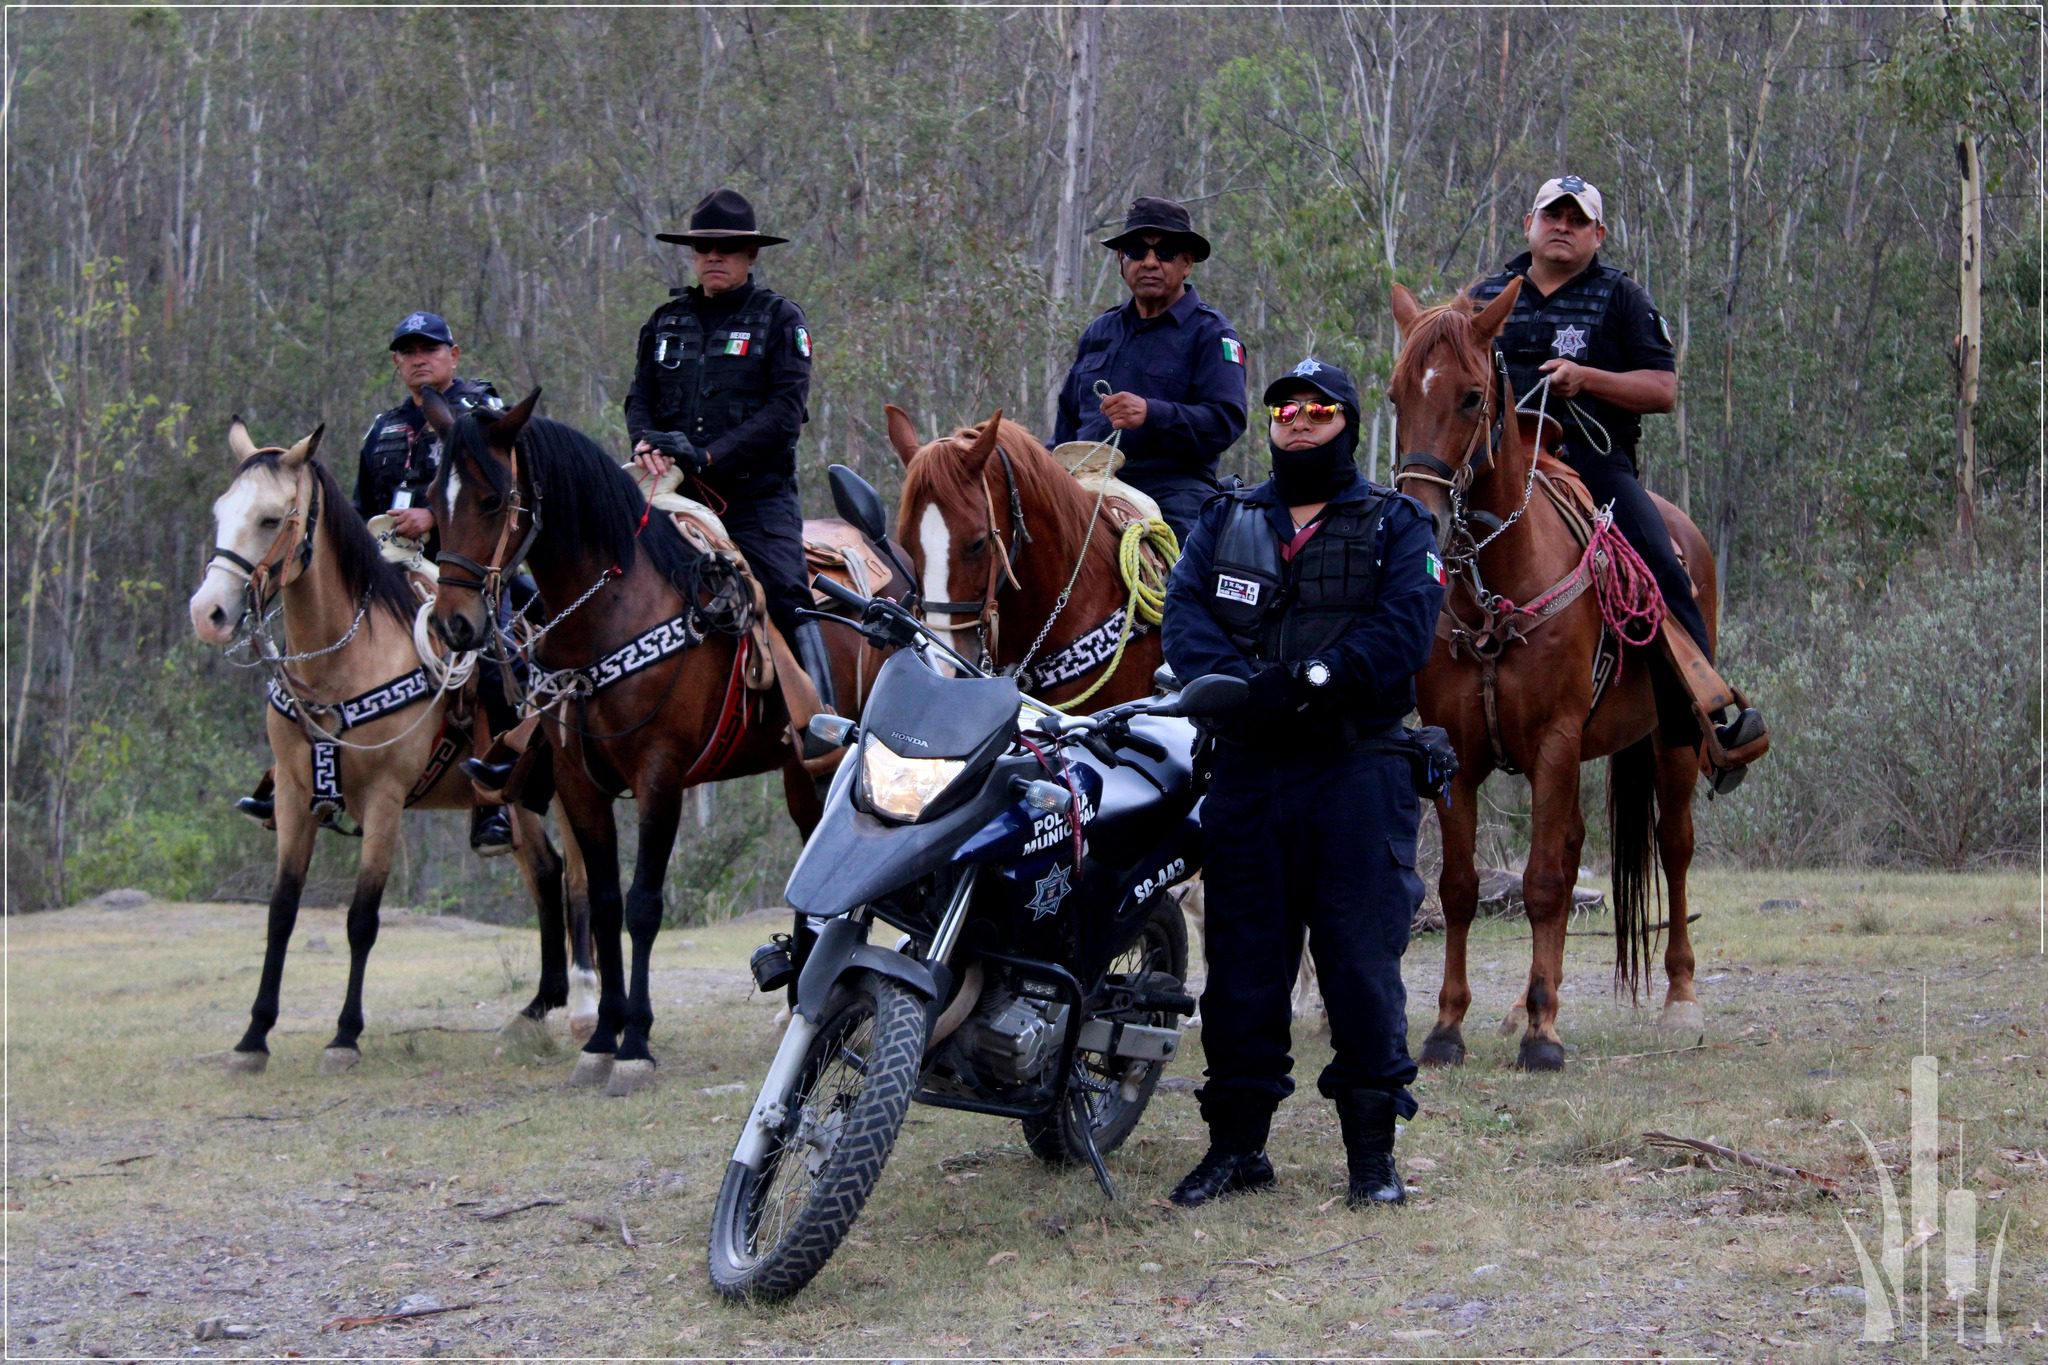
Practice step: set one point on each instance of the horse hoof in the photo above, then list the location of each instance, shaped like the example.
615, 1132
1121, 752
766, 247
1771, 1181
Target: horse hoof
1517, 1020
581, 1026
583, 994
1683, 1018
1443, 1050
336, 1060
628, 1077
247, 1063
592, 1069
522, 1034
1541, 1054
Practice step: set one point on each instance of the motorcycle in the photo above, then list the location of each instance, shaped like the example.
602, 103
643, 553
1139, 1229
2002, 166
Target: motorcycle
1025, 858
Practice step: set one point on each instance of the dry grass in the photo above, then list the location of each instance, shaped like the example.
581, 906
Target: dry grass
149, 1191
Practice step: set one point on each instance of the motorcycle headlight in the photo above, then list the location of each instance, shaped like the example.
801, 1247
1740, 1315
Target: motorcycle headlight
902, 787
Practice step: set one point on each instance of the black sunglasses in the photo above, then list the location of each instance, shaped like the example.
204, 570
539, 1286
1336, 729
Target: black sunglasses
1166, 250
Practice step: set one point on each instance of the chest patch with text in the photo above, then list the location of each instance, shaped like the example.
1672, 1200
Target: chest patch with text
1243, 590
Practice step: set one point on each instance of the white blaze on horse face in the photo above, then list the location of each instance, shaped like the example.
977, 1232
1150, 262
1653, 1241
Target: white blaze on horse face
936, 543
217, 603
1427, 375
454, 491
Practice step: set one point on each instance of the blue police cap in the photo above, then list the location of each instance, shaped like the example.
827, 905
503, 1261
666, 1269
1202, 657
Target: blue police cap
1325, 378
432, 326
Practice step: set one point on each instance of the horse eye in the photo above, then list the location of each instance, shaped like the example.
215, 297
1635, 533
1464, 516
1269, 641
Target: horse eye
976, 546
489, 504
272, 523
1473, 398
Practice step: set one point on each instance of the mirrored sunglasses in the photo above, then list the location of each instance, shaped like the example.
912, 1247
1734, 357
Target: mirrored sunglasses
1319, 414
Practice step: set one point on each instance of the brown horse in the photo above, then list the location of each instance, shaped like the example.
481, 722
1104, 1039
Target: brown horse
1472, 469
640, 670
357, 717
997, 530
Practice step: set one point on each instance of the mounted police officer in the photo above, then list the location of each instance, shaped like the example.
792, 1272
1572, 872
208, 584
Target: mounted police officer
1174, 365
1606, 351
719, 387
1322, 590
401, 454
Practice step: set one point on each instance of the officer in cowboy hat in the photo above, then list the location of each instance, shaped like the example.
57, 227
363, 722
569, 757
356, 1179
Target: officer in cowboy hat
1594, 334
1173, 364
719, 388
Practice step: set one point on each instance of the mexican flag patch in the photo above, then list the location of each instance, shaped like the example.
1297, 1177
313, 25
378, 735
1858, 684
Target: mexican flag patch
1233, 350
803, 342
1433, 566
735, 344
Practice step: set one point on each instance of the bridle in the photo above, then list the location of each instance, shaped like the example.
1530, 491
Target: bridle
1422, 467
486, 580
302, 521
986, 617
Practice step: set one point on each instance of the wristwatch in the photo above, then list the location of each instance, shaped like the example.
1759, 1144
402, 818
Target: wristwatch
1316, 673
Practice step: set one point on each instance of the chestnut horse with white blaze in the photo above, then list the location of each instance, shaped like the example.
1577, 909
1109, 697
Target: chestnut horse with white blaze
997, 529
1476, 469
356, 719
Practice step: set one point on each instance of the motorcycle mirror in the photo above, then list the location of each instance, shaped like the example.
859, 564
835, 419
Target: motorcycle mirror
1209, 696
856, 501
826, 732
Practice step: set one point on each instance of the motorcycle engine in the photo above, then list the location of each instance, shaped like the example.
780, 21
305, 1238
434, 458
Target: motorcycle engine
1009, 1040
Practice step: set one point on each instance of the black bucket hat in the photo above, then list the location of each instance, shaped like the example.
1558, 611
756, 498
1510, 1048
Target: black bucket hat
1325, 378
721, 218
1162, 216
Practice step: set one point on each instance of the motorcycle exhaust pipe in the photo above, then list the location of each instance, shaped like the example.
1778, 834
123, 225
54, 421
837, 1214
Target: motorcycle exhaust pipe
963, 1005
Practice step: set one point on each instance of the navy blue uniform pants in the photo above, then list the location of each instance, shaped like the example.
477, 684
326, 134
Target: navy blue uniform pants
1612, 478
766, 520
1323, 843
1180, 499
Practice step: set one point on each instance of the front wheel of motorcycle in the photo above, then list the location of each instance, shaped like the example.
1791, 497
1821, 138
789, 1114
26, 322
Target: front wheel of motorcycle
775, 1227
1115, 1092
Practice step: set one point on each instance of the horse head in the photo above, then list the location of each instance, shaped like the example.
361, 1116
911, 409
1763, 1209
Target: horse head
1448, 399
268, 511
963, 517
483, 512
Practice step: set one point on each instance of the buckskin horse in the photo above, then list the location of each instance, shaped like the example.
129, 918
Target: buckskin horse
357, 721
1009, 545
1516, 685
642, 670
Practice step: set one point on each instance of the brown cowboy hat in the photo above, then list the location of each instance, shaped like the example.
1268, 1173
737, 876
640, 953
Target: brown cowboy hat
721, 218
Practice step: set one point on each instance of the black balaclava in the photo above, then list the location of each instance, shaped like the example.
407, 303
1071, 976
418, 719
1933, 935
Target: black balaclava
1320, 472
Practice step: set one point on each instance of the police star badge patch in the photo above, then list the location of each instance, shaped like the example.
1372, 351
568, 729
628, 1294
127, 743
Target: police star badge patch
1570, 342
1048, 891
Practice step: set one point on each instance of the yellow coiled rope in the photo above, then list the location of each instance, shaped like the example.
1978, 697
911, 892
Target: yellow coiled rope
1147, 581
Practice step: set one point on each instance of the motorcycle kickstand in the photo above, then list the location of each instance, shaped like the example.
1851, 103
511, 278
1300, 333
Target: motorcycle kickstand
1076, 1102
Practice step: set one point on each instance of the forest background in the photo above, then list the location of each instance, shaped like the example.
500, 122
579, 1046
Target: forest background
213, 211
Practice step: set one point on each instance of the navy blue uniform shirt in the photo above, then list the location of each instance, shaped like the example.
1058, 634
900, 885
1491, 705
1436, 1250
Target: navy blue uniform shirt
401, 451
1373, 666
1188, 366
765, 440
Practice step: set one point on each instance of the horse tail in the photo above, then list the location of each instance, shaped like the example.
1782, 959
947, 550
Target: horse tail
1632, 824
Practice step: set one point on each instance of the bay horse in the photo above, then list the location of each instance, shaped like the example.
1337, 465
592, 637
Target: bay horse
997, 531
639, 670
356, 719
1476, 469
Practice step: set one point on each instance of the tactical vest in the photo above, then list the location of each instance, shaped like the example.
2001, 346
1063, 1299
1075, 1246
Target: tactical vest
707, 384
1281, 611
1531, 337
406, 456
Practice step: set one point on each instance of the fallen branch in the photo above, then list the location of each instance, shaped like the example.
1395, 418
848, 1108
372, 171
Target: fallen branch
1659, 927
1297, 1260
350, 1324
277, 1118
1658, 1139
511, 1209
624, 1235
124, 1160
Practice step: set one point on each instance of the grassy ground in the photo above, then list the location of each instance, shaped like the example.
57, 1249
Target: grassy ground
148, 1191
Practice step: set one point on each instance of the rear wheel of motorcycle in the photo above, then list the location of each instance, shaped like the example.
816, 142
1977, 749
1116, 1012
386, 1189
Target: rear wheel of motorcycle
1160, 949
775, 1228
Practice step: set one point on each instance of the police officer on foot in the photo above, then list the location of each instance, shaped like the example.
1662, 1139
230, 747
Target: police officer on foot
1173, 364
401, 454
719, 387
1322, 590
1594, 334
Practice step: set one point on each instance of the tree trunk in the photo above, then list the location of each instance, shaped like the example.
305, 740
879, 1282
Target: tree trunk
1084, 35
1969, 344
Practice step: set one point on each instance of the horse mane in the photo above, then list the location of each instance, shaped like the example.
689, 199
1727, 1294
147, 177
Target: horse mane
1449, 322
939, 473
358, 558
585, 497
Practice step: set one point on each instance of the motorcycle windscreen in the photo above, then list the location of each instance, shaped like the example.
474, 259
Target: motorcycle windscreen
919, 714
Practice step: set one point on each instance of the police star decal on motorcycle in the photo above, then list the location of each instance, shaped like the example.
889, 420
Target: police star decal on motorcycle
1049, 891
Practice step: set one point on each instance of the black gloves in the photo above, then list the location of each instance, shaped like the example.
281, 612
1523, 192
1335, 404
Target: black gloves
1273, 693
679, 448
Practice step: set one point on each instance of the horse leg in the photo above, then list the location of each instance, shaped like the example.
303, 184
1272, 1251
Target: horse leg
661, 811
1557, 830
593, 830
540, 867
805, 795
1677, 773
1458, 887
295, 831
583, 988
379, 818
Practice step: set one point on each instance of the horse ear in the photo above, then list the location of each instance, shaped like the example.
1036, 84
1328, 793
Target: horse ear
506, 429
239, 444
984, 444
440, 416
1495, 315
303, 451
902, 434
1406, 309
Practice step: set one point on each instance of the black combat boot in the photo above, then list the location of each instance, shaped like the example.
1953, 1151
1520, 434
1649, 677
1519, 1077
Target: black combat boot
261, 804
490, 776
809, 641
1222, 1172
1745, 729
490, 831
1367, 1118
